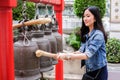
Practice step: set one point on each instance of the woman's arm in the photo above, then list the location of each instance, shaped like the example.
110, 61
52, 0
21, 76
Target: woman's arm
64, 56
72, 56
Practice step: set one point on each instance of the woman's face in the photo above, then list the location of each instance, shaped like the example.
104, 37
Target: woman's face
88, 18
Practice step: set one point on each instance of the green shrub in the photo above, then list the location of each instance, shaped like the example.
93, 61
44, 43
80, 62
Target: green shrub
17, 11
80, 5
74, 39
113, 50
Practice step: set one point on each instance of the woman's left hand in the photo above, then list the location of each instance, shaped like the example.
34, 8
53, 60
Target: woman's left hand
64, 56
61, 56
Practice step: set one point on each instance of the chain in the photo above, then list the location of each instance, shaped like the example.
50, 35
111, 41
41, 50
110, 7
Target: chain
24, 7
46, 9
36, 10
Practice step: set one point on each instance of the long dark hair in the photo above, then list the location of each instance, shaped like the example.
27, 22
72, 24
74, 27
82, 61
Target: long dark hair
97, 24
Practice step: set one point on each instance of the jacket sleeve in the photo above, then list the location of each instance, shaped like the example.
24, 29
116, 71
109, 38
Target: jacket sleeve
82, 47
94, 44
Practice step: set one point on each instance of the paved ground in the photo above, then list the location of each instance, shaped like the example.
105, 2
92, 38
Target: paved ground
113, 74
114, 71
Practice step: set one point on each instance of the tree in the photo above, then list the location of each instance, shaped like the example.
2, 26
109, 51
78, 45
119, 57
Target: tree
80, 5
17, 11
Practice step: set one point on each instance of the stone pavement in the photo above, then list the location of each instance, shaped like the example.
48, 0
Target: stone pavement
114, 71
113, 74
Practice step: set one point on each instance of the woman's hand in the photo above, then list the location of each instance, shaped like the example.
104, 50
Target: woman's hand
61, 56
64, 56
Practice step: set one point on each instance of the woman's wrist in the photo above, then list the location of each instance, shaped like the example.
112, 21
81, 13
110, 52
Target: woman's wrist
55, 56
76, 52
68, 56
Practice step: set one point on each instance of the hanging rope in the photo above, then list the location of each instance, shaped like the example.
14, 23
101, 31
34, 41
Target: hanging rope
26, 41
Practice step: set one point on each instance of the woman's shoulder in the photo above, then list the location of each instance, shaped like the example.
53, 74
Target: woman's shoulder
98, 34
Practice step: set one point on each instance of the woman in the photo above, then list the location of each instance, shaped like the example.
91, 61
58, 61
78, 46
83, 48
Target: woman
93, 49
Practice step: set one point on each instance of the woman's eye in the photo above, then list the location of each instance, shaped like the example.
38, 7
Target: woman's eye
88, 16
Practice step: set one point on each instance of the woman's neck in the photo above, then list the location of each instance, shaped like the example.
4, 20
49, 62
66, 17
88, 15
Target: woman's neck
90, 29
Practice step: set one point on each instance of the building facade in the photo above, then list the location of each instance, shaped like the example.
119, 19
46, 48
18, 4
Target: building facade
111, 20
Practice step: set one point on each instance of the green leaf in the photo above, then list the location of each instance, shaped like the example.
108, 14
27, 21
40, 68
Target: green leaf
113, 50
80, 5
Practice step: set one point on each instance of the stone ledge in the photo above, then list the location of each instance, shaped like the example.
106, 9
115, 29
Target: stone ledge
66, 76
72, 71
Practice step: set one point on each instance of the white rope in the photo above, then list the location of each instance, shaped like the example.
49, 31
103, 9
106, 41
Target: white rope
26, 41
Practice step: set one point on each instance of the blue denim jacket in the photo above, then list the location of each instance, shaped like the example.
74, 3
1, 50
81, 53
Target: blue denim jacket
95, 49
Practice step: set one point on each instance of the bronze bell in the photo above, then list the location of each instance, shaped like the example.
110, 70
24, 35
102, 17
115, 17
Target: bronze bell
26, 63
43, 44
55, 33
53, 43
58, 39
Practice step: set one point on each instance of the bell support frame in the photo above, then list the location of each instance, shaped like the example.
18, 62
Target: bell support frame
6, 37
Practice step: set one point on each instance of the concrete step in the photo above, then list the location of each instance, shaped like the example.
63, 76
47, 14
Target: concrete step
66, 76
72, 71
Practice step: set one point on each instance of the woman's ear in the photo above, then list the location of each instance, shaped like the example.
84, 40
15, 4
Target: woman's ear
94, 20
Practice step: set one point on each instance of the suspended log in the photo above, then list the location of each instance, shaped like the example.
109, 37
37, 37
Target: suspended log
32, 22
40, 53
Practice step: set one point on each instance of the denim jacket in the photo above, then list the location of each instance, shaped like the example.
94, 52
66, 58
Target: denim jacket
95, 49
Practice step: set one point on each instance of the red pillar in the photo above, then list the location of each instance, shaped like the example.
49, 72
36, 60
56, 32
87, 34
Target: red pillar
59, 67
6, 40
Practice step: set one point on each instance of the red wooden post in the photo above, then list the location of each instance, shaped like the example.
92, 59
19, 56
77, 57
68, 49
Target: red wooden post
59, 67
6, 40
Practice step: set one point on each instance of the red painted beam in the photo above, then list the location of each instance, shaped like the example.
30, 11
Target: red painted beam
6, 40
52, 2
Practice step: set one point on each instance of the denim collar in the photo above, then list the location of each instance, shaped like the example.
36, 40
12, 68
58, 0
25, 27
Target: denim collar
91, 33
